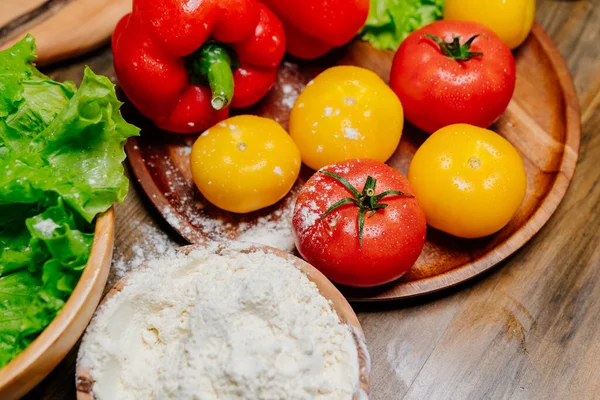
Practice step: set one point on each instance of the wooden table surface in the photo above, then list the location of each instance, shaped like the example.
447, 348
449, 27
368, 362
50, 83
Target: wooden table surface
526, 330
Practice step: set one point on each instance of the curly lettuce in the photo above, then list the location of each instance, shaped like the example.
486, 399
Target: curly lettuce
391, 21
61, 153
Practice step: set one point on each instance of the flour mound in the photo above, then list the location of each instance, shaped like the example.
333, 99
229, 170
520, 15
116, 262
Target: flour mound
220, 326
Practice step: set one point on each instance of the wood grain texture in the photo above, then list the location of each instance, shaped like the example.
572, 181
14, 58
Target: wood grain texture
62, 28
542, 121
13, 9
527, 330
51, 346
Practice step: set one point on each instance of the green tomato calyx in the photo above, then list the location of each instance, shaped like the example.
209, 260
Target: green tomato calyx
455, 50
366, 201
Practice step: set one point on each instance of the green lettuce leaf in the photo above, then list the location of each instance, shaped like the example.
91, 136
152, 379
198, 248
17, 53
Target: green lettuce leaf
391, 21
77, 153
61, 153
18, 292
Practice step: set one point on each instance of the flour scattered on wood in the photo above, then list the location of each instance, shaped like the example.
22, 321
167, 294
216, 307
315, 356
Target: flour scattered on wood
274, 231
171, 218
155, 244
290, 94
184, 150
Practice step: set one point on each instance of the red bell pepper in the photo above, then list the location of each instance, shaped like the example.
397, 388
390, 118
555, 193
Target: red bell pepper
183, 62
313, 27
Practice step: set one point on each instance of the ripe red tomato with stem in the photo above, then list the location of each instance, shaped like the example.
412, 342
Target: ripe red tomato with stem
358, 222
451, 72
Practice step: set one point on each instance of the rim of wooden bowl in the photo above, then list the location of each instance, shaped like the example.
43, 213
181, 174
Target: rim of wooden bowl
31, 366
85, 383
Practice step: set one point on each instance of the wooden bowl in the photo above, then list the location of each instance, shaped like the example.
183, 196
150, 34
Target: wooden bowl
52, 345
85, 382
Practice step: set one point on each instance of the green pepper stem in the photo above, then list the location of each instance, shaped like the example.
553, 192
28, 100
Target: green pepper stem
214, 62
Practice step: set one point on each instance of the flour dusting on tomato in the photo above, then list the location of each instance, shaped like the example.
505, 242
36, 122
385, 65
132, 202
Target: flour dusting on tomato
308, 218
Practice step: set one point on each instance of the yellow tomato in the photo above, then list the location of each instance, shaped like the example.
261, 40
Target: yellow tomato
245, 163
345, 113
469, 181
510, 19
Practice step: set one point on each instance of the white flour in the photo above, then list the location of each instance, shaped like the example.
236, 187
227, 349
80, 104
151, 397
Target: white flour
155, 244
274, 231
220, 326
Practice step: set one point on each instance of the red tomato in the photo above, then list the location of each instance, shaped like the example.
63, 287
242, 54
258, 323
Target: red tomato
392, 237
441, 83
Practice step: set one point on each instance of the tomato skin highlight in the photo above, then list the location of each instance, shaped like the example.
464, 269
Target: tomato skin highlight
393, 238
437, 91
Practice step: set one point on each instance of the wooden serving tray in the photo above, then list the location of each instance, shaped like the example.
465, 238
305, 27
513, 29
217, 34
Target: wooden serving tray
542, 122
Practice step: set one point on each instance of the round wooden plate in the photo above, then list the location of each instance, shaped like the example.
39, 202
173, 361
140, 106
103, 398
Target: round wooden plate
542, 121
47, 350
85, 382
